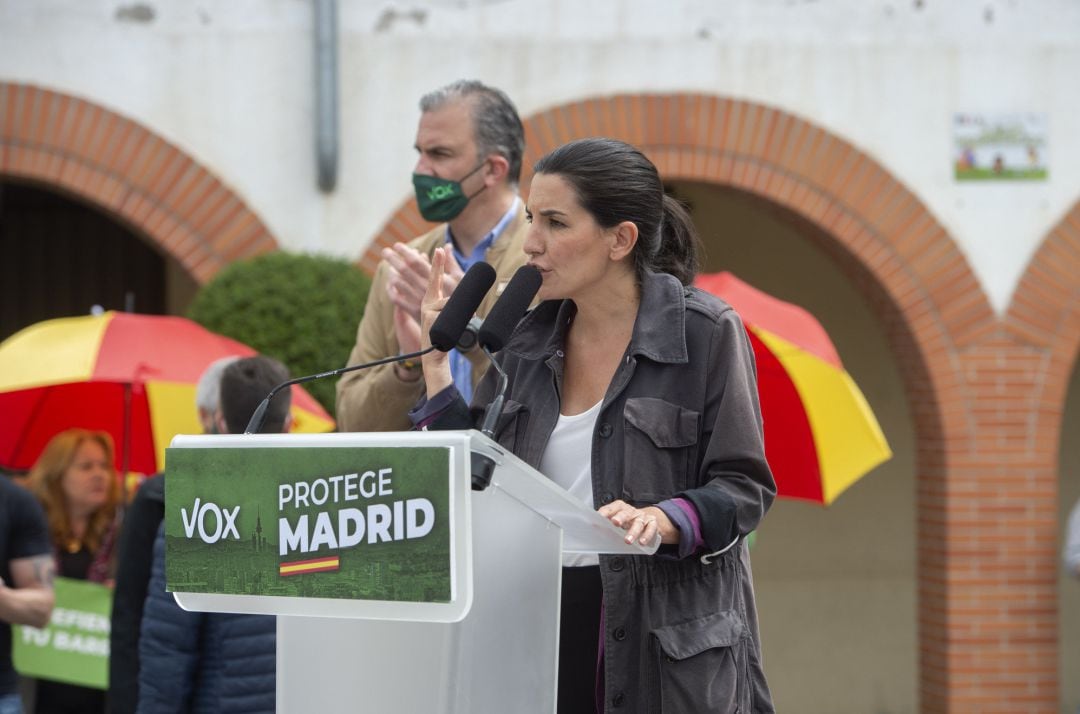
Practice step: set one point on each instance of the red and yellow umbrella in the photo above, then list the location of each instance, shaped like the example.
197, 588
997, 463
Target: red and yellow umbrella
133, 376
820, 434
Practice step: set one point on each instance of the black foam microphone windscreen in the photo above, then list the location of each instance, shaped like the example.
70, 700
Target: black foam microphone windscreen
507, 312
461, 306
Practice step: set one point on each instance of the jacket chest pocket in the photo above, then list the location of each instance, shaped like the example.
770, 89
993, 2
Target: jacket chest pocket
659, 440
701, 665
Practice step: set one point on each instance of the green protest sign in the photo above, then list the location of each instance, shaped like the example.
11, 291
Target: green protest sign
74, 646
362, 523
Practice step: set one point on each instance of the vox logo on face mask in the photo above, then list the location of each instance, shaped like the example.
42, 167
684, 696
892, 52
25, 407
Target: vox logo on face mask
222, 521
437, 193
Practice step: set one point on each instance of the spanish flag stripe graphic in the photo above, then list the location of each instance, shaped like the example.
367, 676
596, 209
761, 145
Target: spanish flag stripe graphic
317, 565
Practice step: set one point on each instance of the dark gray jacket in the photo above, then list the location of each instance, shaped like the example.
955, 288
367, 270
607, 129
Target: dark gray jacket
680, 418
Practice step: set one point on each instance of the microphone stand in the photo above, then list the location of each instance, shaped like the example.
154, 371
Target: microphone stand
491, 414
259, 416
483, 467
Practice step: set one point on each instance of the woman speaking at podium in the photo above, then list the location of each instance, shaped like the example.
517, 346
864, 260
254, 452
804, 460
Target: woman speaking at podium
637, 394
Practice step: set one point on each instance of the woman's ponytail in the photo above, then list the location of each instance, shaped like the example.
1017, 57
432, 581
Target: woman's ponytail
679, 243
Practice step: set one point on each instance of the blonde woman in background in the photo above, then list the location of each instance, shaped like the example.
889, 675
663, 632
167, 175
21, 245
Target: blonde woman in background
77, 485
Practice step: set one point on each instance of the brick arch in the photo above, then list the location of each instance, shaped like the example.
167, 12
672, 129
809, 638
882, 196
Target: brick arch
1029, 359
895, 248
787, 161
1044, 316
130, 173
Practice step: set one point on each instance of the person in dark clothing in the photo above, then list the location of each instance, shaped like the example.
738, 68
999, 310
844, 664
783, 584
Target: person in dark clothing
213, 662
135, 554
26, 573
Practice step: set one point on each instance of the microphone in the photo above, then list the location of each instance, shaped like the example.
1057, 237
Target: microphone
499, 326
493, 334
444, 334
507, 312
454, 318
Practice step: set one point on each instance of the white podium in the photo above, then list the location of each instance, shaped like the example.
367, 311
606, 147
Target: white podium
493, 648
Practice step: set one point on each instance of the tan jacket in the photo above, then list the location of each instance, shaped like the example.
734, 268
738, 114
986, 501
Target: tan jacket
375, 399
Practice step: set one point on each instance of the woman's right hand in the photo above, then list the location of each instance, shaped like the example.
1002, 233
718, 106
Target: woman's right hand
437, 374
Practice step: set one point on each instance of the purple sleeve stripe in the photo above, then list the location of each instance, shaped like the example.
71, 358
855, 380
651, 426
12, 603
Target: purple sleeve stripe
695, 519
688, 539
428, 410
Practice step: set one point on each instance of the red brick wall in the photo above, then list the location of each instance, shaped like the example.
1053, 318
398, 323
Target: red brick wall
986, 392
102, 158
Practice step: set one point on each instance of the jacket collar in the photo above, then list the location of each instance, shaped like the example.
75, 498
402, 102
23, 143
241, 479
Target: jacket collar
503, 242
659, 330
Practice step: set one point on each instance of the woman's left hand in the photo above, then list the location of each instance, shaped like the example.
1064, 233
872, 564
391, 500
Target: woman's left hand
641, 523
436, 363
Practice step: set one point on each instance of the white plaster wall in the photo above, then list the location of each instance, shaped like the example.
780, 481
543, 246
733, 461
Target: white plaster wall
230, 81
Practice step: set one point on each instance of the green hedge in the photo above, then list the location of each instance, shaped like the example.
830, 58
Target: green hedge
300, 309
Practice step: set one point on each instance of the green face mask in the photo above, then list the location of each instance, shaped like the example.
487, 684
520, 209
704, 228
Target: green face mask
439, 199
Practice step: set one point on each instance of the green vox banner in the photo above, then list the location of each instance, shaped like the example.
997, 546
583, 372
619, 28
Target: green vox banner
329, 522
74, 646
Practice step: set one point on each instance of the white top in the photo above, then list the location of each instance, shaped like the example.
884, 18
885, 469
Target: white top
567, 461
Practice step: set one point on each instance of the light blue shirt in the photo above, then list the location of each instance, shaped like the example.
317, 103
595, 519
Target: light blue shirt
460, 367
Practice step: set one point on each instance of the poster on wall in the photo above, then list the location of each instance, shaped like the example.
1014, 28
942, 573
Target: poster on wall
999, 147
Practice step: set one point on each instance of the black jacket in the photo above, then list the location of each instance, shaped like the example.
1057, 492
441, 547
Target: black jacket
135, 555
680, 419
203, 662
